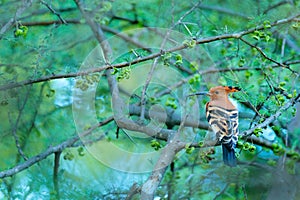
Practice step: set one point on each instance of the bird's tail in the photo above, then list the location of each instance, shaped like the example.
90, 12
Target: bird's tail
229, 157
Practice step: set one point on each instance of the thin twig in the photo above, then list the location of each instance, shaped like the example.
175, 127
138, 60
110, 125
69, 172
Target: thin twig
146, 58
14, 133
221, 192
46, 10
267, 57
272, 117
105, 28
211, 71
282, 49
54, 12
150, 74
143, 95
16, 124
10, 23
244, 191
276, 5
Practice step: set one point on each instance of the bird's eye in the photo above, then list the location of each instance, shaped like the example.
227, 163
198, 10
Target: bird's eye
216, 92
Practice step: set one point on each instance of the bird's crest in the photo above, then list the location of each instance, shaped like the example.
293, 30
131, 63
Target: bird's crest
228, 89
232, 88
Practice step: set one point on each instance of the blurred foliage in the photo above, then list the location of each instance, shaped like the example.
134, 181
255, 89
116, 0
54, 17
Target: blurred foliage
40, 115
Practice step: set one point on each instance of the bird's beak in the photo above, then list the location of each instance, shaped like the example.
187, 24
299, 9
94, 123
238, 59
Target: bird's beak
200, 93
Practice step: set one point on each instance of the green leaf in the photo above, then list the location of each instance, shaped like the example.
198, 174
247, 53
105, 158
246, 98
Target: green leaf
257, 131
155, 144
248, 74
267, 24
201, 144
252, 148
246, 146
283, 83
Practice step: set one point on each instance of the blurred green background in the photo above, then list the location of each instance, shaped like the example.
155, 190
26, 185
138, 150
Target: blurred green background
37, 116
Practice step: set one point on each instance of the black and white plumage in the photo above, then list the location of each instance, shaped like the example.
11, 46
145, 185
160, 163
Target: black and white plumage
224, 123
222, 116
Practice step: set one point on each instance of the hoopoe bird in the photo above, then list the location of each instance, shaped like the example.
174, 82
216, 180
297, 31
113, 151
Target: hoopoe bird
222, 116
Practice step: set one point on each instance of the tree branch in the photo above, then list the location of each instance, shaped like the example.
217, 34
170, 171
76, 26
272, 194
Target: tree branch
164, 133
166, 158
117, 103
172, 118
133, 190
105, 28
146, 58
272, 117
35, 159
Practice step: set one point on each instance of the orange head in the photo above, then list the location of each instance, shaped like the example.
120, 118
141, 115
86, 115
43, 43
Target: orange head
221, 92
218, 92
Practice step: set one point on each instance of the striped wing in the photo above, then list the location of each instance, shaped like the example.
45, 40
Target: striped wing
224, 123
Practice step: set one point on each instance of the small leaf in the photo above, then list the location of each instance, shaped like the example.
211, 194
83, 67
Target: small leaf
283, 83
267, 24
80, 151
246, 146
248, 74
178, 57
257, 131
255, 37
50, 93
201, 144
252, 148
241, 62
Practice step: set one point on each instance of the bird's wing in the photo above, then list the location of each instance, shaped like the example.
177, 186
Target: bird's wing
224, 123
